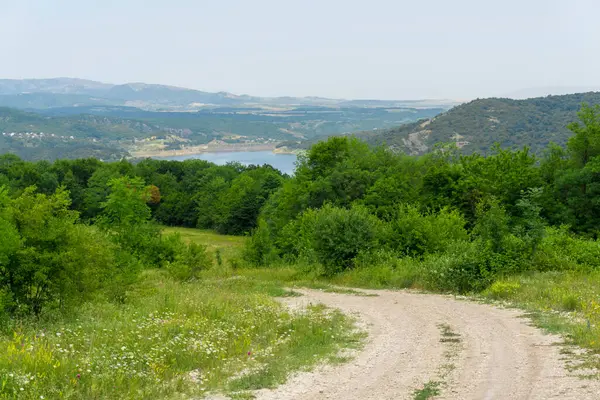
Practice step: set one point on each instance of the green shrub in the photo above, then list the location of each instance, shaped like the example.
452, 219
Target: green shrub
259, 250
414, 233
560, 250
190, 262
340, 235
46, 258
463, 268
382, 269
492, 224
295, 240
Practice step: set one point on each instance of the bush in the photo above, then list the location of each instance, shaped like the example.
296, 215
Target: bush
462, 269
415, 234
381, 269
560, 251
259, 250
190, 262
472, 266
295, 240
342, 234
46, 258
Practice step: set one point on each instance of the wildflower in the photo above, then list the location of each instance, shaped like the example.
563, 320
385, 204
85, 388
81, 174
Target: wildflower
249, 353
78, 376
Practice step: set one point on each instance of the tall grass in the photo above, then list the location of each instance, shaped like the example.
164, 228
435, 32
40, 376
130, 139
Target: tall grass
170, 339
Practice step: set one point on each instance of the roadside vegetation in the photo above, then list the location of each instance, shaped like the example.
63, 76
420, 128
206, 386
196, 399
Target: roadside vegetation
97, 300
118, 309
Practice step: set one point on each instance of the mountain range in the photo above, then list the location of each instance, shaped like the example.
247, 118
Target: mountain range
71, 92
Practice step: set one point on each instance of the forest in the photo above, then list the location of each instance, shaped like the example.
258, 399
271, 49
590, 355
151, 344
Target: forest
74, 231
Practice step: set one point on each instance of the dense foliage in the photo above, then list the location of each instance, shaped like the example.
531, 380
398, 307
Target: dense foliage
72, 228
466, 219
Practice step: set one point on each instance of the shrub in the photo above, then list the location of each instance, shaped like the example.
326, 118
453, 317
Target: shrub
382, 268
295, 240
492, 224
415, 234
46, 258
342, 234
463, 268
188, 264
473, 266
259, 250
560, 250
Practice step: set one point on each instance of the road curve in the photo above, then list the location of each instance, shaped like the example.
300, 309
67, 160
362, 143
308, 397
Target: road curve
497, 354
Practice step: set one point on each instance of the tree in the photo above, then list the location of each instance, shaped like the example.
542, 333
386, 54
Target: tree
585, 144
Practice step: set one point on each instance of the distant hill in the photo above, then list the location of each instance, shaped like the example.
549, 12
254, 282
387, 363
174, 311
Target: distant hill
70, 92
113, 131
477, 125
533, 92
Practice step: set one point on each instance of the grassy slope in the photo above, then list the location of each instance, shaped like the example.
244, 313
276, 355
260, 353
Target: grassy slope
172, 339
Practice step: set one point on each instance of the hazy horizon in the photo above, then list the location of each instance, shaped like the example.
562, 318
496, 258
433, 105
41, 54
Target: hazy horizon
388, 50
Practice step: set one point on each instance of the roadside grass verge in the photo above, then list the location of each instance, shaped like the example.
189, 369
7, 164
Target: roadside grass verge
566, 303
170, 340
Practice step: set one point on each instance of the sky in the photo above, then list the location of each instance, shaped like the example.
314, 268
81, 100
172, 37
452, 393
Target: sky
380, 49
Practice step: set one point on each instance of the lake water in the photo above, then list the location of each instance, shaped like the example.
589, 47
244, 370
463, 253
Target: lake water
283, 162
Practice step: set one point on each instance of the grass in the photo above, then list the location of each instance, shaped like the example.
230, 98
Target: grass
222, 333
434, 387
566, 303
227, 246
429, 390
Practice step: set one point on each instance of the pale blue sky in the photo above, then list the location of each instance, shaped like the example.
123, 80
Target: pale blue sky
335, 48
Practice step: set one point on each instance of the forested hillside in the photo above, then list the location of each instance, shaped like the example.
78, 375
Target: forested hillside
477, 125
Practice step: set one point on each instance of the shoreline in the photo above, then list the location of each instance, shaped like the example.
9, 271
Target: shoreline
193, 150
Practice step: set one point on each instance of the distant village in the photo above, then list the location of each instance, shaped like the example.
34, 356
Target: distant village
36, 135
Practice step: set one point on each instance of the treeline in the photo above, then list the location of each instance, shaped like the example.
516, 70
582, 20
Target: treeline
456, 221
192, 193
75, 229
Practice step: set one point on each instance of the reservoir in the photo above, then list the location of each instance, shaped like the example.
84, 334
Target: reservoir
283, 162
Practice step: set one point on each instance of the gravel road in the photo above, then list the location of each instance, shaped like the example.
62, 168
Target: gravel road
487, 353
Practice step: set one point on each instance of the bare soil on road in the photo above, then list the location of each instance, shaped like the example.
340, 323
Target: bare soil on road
491, 353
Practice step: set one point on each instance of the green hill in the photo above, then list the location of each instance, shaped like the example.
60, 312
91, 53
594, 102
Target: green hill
477, 125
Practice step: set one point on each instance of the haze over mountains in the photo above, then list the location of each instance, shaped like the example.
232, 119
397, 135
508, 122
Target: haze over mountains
65, 117
68, 92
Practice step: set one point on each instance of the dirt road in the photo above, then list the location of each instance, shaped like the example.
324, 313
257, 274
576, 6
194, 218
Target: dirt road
463, 349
